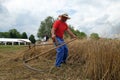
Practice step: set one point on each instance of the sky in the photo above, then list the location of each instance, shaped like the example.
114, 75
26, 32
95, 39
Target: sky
89, 16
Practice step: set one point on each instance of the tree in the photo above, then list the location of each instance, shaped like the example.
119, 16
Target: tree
45, 27
94, 36
14, 33
24, 35
72, 29
4, 35
79, 34
1, 35
32, 39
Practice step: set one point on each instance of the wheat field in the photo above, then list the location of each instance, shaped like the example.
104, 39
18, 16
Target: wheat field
88, 60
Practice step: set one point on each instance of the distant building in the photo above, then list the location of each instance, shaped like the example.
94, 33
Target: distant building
12, 41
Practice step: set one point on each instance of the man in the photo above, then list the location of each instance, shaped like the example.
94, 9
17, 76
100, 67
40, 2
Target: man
58, 29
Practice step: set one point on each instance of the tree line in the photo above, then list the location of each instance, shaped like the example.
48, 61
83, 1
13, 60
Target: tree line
44, 29
13, 33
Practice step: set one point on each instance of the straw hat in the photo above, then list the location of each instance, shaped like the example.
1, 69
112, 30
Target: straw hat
64, 15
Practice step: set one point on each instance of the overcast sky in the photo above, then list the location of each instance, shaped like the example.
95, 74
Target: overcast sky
99, 16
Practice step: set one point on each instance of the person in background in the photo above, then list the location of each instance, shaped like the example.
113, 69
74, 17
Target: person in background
58, 29
46, 38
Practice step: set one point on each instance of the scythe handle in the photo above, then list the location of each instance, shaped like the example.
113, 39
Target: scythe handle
50, 50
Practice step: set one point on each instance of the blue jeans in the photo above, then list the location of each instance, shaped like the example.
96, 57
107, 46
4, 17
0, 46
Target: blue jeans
62, 52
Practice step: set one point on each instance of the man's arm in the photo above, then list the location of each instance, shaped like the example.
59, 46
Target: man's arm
71, 33
53, 33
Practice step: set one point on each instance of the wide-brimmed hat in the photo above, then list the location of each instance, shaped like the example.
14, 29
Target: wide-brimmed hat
64, 15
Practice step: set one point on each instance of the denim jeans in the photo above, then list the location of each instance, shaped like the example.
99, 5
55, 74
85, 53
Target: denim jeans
62, 52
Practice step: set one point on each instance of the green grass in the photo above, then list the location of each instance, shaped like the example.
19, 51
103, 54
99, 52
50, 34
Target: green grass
10, 48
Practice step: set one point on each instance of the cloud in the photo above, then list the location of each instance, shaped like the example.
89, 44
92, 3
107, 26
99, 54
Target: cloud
86, 15
99, 18
23, 21
5, 18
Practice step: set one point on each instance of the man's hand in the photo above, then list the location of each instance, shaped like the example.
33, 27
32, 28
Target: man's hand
55, 40
53, 37
74, 36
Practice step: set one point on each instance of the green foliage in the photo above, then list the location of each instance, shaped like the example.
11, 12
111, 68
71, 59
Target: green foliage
79, 34
14, 33
45, 27
72, 29
32, 39
24, 35
4, 35
94, 36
